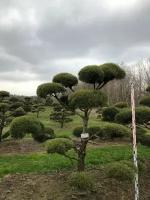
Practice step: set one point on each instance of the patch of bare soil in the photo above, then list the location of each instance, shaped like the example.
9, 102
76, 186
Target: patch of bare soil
20, 146
56, 187
30, 146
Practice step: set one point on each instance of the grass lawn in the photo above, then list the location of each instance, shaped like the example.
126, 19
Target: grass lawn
41, 162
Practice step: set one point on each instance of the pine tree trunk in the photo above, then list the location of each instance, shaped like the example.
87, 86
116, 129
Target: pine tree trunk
81, 155
81, 162
85, 122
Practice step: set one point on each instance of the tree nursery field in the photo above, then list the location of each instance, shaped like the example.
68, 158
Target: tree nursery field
70, 142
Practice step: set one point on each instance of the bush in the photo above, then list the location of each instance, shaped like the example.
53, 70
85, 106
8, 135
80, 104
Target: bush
19, 112
47, 134
121, 105
6, 135
106, 130
121, 171
20, 126
145, 140
59, 145
145, 101
109, 113
148, 88
113, 130
77, 131
82, 181
140, 132
125, 116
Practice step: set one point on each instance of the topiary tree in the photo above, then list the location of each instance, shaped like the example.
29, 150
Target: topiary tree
82, 101
9, 108
60, 114
27, 104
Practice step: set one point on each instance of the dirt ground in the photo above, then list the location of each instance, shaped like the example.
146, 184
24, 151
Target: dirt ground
30, 146
20, 147
56, 187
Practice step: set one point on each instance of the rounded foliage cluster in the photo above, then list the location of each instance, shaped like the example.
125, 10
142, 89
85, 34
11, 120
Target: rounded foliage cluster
142, 115
77, 131
66, 79
122, 171
87, 99
46, 134
20, 126
91, 74
16, 105
4, 94
121, 104
82, 181
19, 112
4, 107
145, 139
148, 88
106, 130
112, 71
46, 89
145, 101
59, 145
109, 113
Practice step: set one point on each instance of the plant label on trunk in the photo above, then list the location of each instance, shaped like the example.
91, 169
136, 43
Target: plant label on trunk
84, 136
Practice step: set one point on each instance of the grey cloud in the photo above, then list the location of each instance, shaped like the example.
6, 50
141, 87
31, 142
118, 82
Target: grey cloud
48, 35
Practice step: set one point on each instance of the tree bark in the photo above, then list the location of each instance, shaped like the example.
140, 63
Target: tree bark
85, 121
81, 155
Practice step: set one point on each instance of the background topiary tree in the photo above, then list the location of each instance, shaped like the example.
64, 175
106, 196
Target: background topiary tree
7, 112
60, 114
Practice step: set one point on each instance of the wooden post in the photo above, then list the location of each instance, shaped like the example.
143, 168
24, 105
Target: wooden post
136, 186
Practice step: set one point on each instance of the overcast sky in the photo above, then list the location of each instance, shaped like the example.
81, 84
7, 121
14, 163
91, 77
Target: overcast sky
40, 38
